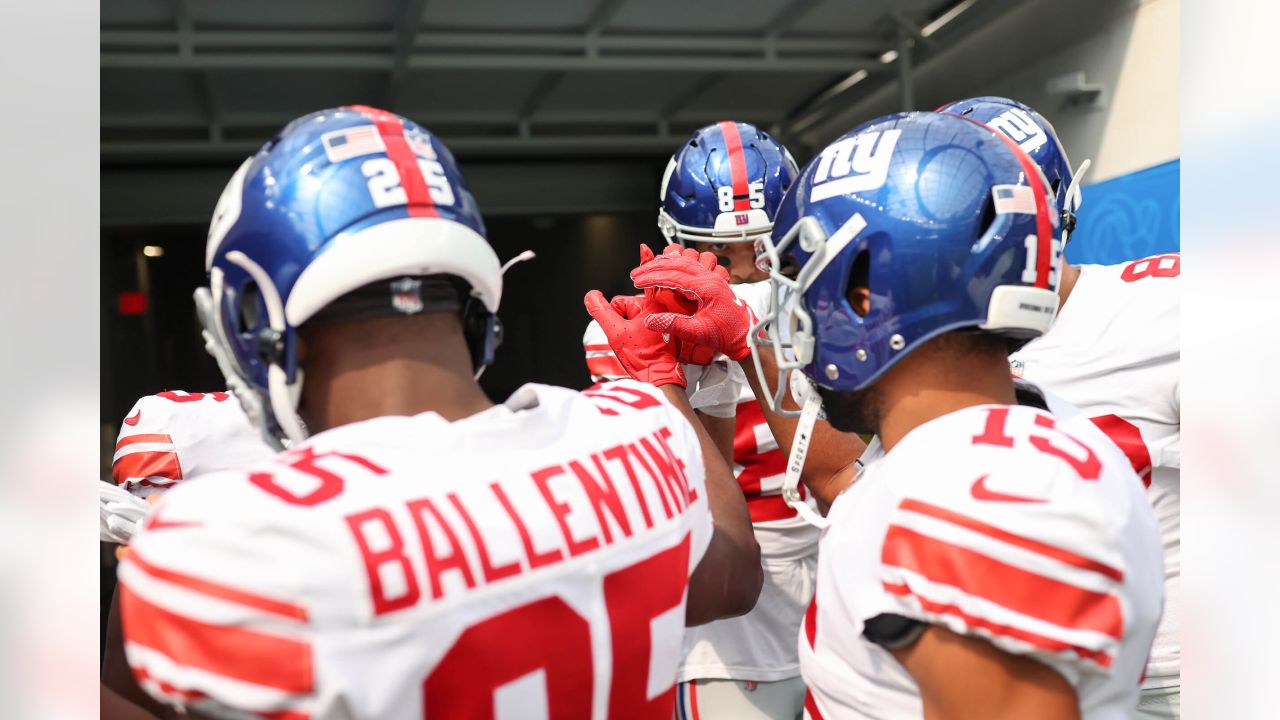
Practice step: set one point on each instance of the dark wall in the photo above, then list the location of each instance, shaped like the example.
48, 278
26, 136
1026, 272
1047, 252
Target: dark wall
541, 306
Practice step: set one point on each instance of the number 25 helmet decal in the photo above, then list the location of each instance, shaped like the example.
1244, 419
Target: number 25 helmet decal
339, 199
1036, 137
724, 185
956, 226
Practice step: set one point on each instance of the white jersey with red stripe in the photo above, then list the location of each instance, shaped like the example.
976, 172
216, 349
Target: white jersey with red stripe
759, 645
1114, 352
1026, 529
176, 435
530, 560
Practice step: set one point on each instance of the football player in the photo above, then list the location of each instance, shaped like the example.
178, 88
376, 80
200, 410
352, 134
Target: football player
719, 194
988, 535
1113, 351
174, 435
166, 438
418, 550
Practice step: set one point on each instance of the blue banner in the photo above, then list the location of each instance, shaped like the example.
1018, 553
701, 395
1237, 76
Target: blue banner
1128, 217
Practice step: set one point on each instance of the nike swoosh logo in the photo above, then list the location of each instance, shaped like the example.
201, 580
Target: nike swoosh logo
133, 419
982, 492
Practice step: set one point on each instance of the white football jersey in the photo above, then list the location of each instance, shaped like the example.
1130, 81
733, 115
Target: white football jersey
1113, 351
1003, 522
759, 645
175, 435
531, 560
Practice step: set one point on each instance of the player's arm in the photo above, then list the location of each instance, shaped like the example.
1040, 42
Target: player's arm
721, 431
126, 699
727, 581
720, 324
832, 460
993, 684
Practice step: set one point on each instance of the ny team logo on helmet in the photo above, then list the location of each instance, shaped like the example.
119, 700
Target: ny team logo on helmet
724, 185
340, 199
954, 225
1036, 137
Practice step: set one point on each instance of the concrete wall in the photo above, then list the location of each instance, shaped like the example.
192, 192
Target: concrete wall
1129, 47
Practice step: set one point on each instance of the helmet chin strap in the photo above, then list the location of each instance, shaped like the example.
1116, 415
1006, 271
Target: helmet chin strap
795, 463
1074, 196
282, 395
216, 345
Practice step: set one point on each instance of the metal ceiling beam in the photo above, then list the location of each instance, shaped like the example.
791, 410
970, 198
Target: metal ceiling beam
408, 22
239, 121
787, 17
206, 39
189, 150
202, 40
523, 62
693, 92
182, 19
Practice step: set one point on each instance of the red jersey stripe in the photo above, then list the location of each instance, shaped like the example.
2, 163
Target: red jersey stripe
764, 508
1053, 601
146, 464
141, 675
1040, 642
234, 652
1063, 556
737, 165
756, 464
811, 706
391, 129
218, 590
598, 348
811, 621
606, 365
143, 438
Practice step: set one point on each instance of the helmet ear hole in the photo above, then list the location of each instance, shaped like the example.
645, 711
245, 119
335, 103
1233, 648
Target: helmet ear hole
859, 290
986, 219
250, 307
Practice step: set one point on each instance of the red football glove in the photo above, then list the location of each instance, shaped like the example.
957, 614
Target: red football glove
646, 355
720, 322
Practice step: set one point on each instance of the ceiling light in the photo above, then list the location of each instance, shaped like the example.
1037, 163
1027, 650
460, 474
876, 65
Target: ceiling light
153, 251
889, 57
946, 17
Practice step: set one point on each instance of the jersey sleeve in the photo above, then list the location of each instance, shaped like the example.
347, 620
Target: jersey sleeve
1028, 576
146, 455
211, 618
714, 389
601, 362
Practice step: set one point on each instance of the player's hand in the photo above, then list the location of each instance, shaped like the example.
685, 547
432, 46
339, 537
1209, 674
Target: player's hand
119, 513
646, 355
720, 321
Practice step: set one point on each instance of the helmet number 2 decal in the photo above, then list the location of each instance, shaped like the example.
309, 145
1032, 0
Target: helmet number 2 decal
385, 186
725, 195
854, 164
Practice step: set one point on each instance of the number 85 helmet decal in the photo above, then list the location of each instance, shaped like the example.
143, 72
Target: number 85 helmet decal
341, 198
957, 229
724, 185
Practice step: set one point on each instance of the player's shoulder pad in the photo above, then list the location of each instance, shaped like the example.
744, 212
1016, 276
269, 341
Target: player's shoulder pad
1009, 530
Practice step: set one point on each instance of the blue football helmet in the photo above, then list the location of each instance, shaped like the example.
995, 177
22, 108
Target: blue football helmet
1036, 137
339, 199
957, 228
724, 185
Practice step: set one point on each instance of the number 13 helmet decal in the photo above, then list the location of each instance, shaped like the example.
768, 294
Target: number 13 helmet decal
953, 224
724, 185
340, 199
